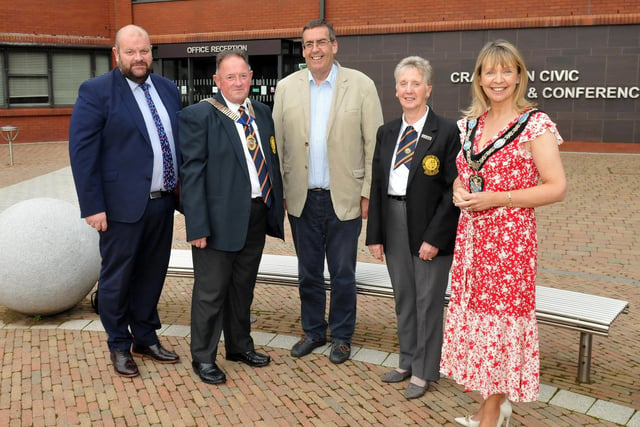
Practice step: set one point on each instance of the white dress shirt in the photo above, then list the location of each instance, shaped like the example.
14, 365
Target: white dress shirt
399, 177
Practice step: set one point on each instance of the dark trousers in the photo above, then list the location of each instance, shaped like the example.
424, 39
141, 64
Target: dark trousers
223, 292
135, 257
418, 288
318, 233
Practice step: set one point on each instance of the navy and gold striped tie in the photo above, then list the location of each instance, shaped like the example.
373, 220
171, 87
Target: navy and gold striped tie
256, 154
406, 148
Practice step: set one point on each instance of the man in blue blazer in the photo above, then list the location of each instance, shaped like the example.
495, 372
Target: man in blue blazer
122, 146
232, 198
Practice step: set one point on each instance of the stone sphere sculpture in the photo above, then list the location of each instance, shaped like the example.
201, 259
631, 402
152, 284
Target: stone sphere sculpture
49, 257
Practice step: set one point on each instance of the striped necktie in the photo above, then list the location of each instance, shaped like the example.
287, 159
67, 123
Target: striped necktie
256, 154
406, 147
168, 173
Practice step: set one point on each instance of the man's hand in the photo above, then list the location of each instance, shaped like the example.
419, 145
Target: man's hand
364, 207
199, 243
98, 221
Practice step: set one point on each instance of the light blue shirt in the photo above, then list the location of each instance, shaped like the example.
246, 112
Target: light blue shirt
138, 93
320, 97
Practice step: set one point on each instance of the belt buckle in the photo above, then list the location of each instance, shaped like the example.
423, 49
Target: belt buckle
155, 195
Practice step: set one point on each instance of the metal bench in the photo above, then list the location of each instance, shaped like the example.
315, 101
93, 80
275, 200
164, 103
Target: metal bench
589, 314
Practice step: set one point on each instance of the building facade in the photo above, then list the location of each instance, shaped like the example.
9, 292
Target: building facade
583, 55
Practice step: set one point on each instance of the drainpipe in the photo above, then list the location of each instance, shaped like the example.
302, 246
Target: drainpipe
322, 9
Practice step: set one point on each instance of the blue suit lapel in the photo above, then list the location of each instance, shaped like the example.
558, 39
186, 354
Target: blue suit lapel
168, 100
232, 132
264, 137
129, 101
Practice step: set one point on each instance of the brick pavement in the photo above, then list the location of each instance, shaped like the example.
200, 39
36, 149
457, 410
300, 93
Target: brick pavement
51, 375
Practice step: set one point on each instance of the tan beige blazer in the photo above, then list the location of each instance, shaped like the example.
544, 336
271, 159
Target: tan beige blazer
354, 119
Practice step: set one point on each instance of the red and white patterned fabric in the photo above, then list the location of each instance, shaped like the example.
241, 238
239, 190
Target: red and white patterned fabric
491, 335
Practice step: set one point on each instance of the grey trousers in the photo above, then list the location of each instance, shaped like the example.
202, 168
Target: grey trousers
419, 287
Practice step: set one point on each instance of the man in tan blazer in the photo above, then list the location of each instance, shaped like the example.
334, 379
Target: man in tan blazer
326, 118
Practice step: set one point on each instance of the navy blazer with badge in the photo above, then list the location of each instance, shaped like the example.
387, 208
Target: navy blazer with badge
431, 215
110, 149
216, 188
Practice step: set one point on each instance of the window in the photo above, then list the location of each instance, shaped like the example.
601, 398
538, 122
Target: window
28, 78
69, 71
3, 101
47, 77
103, 64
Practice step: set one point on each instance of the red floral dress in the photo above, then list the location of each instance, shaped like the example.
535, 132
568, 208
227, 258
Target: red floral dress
491, 336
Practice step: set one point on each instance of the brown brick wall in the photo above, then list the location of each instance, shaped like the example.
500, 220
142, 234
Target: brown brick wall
76, 21
197, 19
37, 124
206, 20
73, 17
94, 23
378, 12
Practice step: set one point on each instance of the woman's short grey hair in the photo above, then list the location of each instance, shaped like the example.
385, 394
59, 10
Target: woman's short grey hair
422, 65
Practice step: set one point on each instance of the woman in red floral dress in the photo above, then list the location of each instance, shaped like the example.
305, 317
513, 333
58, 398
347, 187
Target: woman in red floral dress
509, 164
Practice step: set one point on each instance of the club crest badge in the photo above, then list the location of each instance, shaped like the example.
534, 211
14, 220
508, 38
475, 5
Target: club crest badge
272, 144
431, 165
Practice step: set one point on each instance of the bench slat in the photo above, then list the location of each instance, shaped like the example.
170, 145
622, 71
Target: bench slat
558, 307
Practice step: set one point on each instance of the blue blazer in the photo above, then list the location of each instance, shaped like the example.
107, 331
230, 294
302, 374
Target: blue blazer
216, 188
109, 147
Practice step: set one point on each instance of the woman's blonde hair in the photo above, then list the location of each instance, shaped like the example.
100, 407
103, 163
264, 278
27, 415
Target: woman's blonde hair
504, 53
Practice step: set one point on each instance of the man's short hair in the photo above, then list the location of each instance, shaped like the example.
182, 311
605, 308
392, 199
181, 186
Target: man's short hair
231, 52
320, 23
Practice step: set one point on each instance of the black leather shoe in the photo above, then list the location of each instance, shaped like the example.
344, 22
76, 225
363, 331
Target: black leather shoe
340, 352
251, 358
209, 372
306, 345
155, 352
123, 363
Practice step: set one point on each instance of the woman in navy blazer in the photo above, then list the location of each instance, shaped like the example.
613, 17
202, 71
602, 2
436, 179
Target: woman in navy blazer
413, 221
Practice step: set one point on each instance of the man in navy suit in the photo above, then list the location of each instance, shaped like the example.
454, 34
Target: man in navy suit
123, 148
232, 198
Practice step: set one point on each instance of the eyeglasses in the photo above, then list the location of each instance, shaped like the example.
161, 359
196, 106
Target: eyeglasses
322, 43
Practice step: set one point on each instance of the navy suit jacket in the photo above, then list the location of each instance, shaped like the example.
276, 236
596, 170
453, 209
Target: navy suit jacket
431, 215
216, 188
109, 147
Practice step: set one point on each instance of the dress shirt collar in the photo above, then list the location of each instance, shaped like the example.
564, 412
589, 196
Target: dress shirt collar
133, 85
233, 106
331, 78
418, 125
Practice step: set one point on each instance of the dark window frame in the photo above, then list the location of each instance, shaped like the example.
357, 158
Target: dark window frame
47, 100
